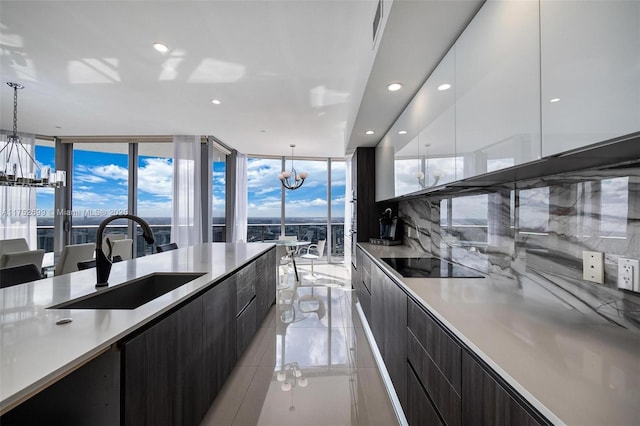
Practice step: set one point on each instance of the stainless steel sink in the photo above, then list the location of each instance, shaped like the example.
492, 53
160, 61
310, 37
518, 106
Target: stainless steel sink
131, 294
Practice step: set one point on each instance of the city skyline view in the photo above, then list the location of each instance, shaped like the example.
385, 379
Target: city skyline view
100, 187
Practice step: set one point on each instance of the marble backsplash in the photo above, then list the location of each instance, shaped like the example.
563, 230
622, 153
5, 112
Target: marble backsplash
537, 230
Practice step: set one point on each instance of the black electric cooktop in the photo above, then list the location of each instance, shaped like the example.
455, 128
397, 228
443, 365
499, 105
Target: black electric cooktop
429, 267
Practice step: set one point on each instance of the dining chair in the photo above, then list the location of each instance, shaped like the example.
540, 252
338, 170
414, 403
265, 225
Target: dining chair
319, 251
13, 245
122, 248
19, 274
88, 264
18, 258
71, 255
166, 247
108, 240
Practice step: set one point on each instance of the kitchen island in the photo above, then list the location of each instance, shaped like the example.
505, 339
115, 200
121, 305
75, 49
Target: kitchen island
495, 350
220, 309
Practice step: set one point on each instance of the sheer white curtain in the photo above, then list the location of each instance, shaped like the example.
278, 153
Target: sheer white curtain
18, 204
186, 222
241, 197
348, 214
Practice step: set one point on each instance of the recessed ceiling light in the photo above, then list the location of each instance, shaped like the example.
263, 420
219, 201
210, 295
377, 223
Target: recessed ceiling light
554, 100
444, 86
369, 132
394, 86
402, 132
216, 101
160, 47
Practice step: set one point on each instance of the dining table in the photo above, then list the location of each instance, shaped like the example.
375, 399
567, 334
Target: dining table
292, 248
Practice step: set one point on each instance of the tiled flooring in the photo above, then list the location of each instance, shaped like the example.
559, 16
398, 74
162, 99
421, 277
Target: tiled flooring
314, 333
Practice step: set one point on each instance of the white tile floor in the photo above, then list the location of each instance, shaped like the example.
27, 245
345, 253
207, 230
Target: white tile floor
314, 333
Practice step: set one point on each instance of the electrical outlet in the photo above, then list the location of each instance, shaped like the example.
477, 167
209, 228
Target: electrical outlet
593, 266
629, 274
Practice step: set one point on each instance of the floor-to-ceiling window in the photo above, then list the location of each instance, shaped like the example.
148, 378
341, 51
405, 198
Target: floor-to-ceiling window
303, 212
219, 190
264, 199
100, 188
155, 187
338, 197
306, 207
45, 208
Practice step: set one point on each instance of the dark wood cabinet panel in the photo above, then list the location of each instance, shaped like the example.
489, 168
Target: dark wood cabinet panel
163, 379
219, 336
486, 402
246, 286
267, 277
442, 349
395, 335
443, 395
419, 410
377, 308
245, 327
363, 164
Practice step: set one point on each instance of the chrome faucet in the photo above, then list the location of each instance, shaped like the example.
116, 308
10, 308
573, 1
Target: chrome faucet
103, 263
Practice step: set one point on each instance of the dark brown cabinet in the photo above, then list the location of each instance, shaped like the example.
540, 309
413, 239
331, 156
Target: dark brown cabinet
267, 276
363, 181
163, 382
173, 369
436, 379
361, 278
219, 335
389, 327
486, 402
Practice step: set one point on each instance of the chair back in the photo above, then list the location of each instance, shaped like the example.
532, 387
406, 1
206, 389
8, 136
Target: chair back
18, 258
122, 248
13, 245
321, 244
73, 254
166, 247
289, 237
108, 240
19, 274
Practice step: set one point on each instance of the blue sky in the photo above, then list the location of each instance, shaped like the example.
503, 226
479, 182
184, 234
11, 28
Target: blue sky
100, 181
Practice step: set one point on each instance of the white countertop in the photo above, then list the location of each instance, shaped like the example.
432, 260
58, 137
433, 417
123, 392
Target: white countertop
575, 368
35, 352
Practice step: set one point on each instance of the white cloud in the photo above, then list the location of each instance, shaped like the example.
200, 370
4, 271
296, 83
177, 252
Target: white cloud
155, 176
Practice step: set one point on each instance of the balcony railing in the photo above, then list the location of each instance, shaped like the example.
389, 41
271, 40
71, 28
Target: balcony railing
255, 233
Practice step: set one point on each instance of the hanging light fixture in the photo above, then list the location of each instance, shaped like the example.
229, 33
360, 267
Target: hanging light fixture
292, 179
423, 177
420, 175
15, 169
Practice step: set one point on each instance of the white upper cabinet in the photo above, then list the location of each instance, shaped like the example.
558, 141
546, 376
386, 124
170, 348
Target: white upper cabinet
498, 87
590, 72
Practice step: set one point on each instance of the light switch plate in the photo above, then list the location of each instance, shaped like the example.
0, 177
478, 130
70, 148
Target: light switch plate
629, 274
593, 266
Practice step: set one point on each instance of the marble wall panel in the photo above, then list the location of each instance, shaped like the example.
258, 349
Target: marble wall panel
537, 230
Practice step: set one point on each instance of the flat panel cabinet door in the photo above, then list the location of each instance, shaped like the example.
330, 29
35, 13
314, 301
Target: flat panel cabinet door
219, 336
395, 336
377, 307
246, 328
163, 379
590, 72
419, 411
485, 402
498, 87
265, 284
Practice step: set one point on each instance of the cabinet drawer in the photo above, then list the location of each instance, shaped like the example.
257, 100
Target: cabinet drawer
246, 286
444, 396
420, 410
442, 349
245, 327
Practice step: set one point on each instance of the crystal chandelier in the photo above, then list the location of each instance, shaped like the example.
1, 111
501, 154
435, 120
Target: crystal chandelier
292, 179
15, 158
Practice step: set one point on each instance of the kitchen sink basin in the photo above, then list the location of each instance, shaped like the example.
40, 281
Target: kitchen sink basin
131, 294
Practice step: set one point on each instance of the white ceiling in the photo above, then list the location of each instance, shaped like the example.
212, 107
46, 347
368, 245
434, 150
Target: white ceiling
296, 71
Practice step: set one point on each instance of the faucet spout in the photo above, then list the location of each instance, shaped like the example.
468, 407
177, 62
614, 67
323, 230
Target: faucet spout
103, 263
